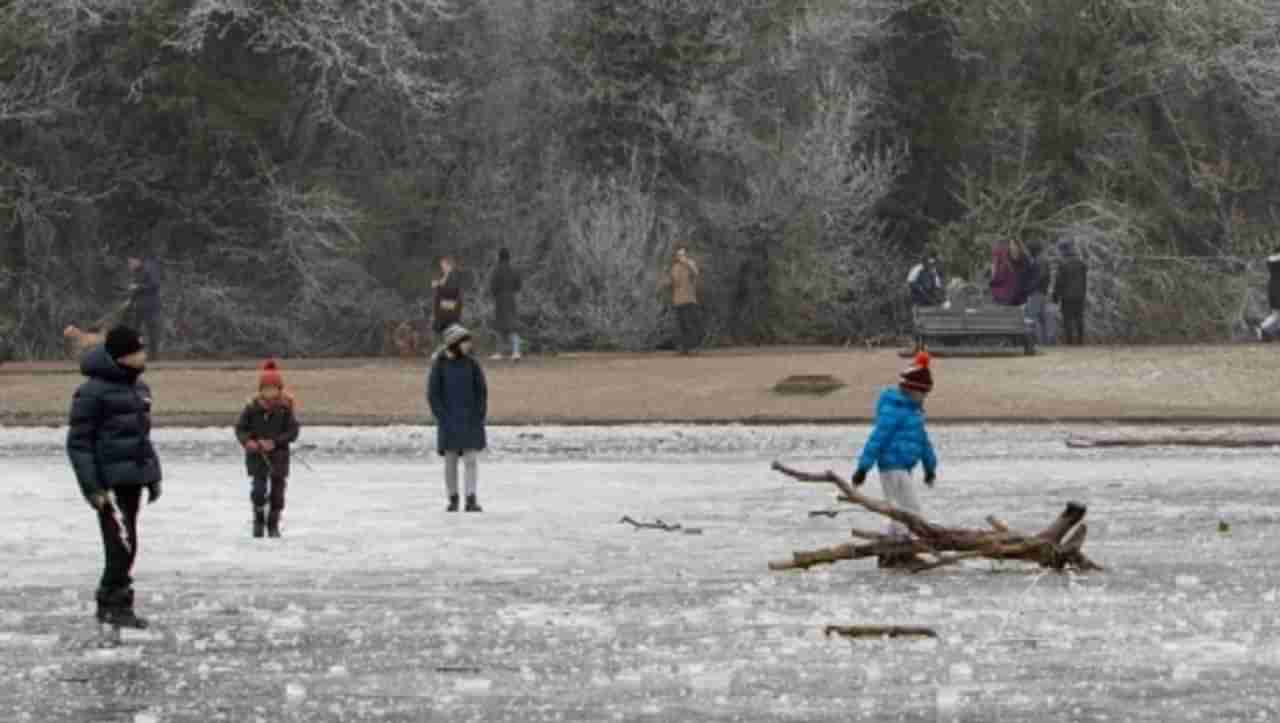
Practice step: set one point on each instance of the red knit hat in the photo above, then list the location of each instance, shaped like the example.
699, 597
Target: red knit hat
917, 377
270, 375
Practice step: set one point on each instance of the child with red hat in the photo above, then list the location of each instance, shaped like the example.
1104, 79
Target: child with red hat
266, 428
898, 443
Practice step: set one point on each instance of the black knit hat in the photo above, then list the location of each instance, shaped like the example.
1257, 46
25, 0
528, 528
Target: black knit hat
123, 341
917, 377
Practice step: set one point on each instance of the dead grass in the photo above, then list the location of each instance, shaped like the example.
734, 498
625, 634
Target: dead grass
1154, 383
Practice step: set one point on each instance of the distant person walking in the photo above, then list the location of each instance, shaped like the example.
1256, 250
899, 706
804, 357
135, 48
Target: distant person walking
504, 286
446, 297
1070, 291
144, 301
684, 296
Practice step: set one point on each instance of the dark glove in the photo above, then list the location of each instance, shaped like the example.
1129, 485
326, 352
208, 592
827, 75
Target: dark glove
859, 477
930, 477
153, 492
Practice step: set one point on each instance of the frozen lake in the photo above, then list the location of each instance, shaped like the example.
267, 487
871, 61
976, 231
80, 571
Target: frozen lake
379, 606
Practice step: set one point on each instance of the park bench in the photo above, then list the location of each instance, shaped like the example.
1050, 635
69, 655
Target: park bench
978, 330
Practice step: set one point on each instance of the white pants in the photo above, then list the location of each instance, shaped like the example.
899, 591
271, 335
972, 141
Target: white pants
469, 460
900, 491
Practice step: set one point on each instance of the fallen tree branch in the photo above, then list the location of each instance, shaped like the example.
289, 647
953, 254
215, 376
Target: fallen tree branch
1174, 439
1058, 546
660, 525
879, 631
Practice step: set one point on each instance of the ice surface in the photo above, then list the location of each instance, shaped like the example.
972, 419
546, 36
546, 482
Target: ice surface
377, 605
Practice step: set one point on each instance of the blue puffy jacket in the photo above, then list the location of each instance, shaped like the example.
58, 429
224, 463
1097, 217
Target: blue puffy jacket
899, 439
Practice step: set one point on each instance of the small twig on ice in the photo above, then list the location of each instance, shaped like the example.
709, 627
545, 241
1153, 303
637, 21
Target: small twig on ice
879, 631
659, 525
824, 513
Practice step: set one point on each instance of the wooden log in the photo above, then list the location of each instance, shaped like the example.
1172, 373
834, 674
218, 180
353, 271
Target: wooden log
1175, 439
1057, 547
879, 631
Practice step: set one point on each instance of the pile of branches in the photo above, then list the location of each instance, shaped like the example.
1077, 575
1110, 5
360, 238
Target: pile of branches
1058, 547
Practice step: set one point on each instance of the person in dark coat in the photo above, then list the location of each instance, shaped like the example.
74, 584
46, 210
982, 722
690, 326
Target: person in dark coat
459, 399
446, 297
144, 302
266, 428
1036, 280
109, 446
1070, 290
504, 287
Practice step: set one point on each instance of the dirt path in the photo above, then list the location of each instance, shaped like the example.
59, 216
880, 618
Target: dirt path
1164, 384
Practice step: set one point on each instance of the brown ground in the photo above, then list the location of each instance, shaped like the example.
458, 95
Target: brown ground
1181, 384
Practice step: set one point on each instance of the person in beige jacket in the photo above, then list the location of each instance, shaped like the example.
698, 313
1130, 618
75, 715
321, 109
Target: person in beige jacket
684, 296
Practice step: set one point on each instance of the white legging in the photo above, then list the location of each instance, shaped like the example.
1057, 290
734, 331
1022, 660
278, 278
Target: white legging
901, 493
469, 460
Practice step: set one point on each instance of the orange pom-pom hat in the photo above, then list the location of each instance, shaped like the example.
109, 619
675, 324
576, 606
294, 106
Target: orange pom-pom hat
917, 377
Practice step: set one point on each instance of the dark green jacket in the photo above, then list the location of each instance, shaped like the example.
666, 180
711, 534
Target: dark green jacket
279, 424
109, 435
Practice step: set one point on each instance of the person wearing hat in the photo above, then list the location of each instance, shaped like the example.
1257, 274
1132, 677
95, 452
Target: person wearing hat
898, 442
109, 447
459, 400
266, 428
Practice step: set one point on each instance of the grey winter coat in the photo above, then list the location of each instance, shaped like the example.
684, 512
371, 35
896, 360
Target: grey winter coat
459, 399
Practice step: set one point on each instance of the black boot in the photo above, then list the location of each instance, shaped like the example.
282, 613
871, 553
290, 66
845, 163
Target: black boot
453, 504
472, 505
273, 523
115, 608
259, 520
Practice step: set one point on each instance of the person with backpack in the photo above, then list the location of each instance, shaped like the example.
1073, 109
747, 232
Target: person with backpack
1070, 291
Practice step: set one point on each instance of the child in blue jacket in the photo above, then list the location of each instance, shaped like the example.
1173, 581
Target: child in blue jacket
898, 442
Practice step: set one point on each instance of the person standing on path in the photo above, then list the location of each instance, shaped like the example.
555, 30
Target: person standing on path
266, 428
1008, 259
1037, 310
446, 297
459, 400
504, 287
144, 301
1070, 291
898, 442
109, 446
684, 296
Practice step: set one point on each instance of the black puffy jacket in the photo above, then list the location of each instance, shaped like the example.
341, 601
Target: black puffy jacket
109, 440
